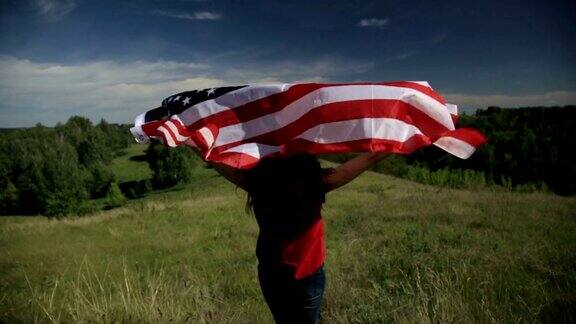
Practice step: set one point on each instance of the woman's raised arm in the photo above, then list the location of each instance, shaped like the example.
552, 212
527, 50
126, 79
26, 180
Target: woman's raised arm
349, 170
231, 174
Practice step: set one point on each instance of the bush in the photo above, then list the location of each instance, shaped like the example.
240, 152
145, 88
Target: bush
63, 202
9, 197
135, 189
98, 180
447, 178
114, 197
394, 165
170, 165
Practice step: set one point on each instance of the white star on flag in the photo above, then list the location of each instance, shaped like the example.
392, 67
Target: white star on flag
177, 98
211, 91
186, 100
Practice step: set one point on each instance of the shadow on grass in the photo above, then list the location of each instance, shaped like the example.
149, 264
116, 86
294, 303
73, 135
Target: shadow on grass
138, 158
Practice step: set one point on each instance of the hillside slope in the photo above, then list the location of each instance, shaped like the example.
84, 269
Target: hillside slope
397, 251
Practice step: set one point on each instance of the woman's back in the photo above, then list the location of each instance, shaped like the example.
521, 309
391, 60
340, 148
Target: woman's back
286, 196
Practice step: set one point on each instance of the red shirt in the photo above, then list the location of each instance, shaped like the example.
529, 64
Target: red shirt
290, 239
307, 252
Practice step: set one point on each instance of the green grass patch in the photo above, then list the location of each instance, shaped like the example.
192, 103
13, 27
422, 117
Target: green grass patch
398, 251
131, 166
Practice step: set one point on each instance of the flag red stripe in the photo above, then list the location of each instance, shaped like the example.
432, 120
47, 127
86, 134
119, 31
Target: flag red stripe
369, 144
244, 161
344, 111
279, 101
468, 135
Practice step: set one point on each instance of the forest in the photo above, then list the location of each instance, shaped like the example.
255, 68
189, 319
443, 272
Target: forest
64, 169
525, 146
59, 170
527, 149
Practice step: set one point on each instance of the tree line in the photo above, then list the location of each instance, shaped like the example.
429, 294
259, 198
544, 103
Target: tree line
526, 146
63, 169
66, 169
54, 171
527, 149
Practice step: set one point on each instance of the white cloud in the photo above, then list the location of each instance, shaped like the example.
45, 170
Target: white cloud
32, 92
553, 98
54, 9
200, 15
373, 22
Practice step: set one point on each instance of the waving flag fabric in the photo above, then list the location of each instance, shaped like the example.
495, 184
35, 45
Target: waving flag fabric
239, 125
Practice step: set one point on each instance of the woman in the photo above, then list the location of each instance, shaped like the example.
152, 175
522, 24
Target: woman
286, 196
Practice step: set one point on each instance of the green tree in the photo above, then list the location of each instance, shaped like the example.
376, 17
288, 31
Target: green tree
170, 165
54, 171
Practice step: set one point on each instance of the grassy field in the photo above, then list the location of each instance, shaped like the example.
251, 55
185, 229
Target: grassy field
397, 252
126, 169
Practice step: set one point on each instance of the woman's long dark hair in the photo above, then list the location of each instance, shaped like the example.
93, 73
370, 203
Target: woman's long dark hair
290, 184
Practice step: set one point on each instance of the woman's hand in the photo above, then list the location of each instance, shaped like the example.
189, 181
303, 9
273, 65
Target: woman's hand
349, 170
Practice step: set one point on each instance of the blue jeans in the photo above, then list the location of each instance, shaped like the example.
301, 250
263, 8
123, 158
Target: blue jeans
290, 300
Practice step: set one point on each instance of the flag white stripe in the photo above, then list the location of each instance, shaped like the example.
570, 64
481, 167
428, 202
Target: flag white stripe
174, 130
254, 149
455, 146
356, 129
452, 109
208, 136
229, 101
137, 131
422, 83
338, 132
327, 95
167, 136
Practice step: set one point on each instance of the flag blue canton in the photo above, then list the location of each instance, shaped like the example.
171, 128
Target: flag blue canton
177, 103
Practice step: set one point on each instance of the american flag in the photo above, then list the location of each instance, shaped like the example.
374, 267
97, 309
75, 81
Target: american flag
239, 125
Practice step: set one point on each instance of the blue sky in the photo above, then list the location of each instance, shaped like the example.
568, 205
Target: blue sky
115, 59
